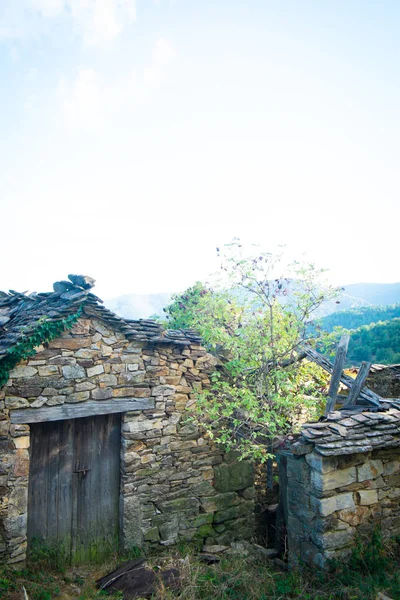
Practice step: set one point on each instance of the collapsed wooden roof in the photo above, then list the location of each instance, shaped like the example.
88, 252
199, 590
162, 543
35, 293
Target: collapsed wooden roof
21, 313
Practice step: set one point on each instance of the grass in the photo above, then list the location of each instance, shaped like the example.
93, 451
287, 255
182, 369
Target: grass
372, 567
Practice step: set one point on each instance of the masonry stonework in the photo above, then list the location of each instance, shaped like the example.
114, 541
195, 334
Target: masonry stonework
175, 483
343, 480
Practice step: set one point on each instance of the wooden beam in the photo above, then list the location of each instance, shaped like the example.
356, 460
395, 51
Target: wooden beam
358, 384
90, 408
365, 393
337, 372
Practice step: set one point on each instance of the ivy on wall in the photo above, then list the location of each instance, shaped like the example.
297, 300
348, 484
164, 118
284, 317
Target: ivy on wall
46, 331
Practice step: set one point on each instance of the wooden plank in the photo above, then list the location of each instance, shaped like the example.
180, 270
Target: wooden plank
358, 384
96, 492
82, 480
49, 504
106, 455
64, 516
74, 504
365, 393
337, 372
98, 464
75, 411
37, 490
52, 490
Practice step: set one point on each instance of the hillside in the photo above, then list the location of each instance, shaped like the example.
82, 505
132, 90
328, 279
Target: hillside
374, 333
352, 319
377, 343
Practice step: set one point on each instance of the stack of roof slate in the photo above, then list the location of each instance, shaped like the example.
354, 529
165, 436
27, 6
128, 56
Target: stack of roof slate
351, 432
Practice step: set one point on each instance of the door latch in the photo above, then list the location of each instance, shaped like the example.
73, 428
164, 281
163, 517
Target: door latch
83, 471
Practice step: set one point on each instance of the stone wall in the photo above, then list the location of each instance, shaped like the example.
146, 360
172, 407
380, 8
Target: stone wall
331, 499
385, 380
175, 483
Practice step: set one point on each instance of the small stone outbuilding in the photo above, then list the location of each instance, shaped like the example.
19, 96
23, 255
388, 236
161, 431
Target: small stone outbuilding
340, 480
98, 448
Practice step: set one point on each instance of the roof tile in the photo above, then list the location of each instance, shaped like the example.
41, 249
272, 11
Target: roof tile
20, 314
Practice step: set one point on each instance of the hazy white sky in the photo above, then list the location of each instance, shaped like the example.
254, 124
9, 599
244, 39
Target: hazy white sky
136, 136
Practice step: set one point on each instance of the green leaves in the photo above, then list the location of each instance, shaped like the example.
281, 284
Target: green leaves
255, 318
180, 313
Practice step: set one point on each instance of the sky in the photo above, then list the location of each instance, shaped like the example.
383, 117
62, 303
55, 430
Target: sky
136, 136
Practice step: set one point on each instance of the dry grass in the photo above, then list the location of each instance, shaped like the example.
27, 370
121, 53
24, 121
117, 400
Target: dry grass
373, 568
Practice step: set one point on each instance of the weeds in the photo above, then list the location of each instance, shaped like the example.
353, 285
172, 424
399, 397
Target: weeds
372, 567
48, 575
49, 558
371, 556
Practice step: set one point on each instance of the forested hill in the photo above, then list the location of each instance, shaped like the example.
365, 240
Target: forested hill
376, 343
374, 333
357, 317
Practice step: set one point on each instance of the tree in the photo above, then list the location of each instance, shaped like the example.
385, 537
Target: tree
180, 313
255, 317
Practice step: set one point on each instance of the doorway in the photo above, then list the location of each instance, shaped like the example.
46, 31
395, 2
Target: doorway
74, 486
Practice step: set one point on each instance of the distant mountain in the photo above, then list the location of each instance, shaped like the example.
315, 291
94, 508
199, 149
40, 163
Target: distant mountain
138, 306
359, 295
355, 295
374, 293
344, 302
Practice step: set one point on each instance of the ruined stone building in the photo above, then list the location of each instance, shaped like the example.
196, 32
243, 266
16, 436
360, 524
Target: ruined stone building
97, 446
341, 481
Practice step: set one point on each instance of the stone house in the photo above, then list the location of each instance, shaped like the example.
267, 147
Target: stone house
97, 448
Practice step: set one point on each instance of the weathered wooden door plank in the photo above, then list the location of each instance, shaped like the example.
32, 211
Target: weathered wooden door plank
52, 481
49, 501
109, 460
66, 449
37, 491
81, 475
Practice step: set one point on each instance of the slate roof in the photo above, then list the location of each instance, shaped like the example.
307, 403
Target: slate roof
20, 314
351, 432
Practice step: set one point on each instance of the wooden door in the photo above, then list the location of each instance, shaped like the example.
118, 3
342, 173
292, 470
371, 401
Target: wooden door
74, 485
